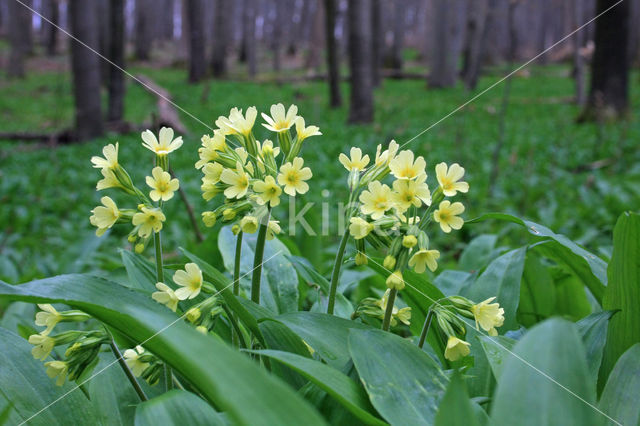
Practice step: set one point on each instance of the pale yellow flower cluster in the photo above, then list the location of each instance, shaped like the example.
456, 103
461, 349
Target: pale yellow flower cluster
251, 175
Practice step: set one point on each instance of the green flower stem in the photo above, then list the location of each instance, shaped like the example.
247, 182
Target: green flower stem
238, 338
157, 240
257, 260
236, 287
425, 329
335, 275
127, 371
386, 322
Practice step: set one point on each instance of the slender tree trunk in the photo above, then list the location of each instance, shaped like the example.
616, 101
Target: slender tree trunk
333, 65
85, 67
165, 24
143, 28
220, 38
313, 58
578, 44
18, 18
398, 35
476, 20
197, 61
377, 41
50, 32
116, 83
444, 57
104, 36
249, 36
609, 93
276, 37
360, 62
28, 29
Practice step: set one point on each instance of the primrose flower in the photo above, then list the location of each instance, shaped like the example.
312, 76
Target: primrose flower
110, 160
411, 192
404, 314
267, 148
190, 281
376, 200
448, 179
249, 224
43, 345
165, 296
385, 157
356, 162
404, 167
488, 315
167, 143
292, 176
305, 132
109, 180
359, 228
446, 215
395, 280
150, 220
243, 124
423, 259
161, 184
279, 121
237, 180
211, 148
132, 358
273, 228
456, 349
105, 216
49, 317
58, 369
268, 191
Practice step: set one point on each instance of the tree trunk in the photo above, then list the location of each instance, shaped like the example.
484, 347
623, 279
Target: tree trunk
578, 44
377, 40
444, 57
51, 11
333, 63
18, 18
197, 61
398, 36
115, 53
143, 29
276, 36
609, 93
476, 20
249, 36
85, 67
360, 62
220, 37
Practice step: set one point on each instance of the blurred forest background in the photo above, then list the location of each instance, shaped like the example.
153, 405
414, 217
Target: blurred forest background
556, 141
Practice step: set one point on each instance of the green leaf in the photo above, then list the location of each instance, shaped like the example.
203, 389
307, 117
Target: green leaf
339, 386
620, 395
623, 292
501, 280
142, 274
497, 349
404, 384
230, 381
451, 282
537, 293
25, 385
456, 408
177, 407
4, 414
279, 336
478, 253
279, 286
593, 329
546, 380
571, 297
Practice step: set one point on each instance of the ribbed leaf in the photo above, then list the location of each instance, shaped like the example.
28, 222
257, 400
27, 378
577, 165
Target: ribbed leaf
620, 396
177, 407
456, 409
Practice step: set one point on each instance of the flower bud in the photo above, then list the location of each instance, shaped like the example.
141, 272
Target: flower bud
209, 219
202, 329
235, 229
409, 241
389, 262
139, 248
361, 259
395, 280
228, 214
423, 240
193, 314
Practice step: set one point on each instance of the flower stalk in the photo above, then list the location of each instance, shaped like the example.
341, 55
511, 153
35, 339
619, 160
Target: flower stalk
335, 274
386, 322
236, 286
425, 329
127, 371
257, 260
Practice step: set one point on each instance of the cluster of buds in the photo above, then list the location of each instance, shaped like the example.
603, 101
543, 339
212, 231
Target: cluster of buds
147, 218
252, 175
376, 308
144, 364
204, 314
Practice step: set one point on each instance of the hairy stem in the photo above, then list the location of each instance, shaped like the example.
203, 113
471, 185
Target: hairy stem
386, 322
425, 329
257, 260
127, 371
236, 282
335, 275
157, 240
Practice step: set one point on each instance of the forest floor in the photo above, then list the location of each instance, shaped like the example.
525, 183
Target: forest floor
575, 179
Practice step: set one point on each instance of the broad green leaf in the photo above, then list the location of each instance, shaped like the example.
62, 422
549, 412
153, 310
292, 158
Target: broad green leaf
279, 286
326, 334
571, 297
404, 384
497, 349
501, 280
4, 414
452, 282
456, 408
546, 380
278, 336
537, 293
478, 253
623, 292
25, 386
593, 329
620, 395
339, 386
177, 407
142, 274
230, 381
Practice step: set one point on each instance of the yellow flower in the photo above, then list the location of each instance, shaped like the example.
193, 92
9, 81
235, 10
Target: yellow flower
448, 179
279, 120
105, 216
212, 172
238, 181
267, 148
268, 191
356, 162
359, 228
411, 192
403, 166
132, 358
424, 258
190, 281
162, 185
150, 220
110, 160
58, 369
243, 124
49, 317
387, 155
456, 349
404, 315
395, 280
43, 345
488, 315
210, 149
376, 200
167, 143
109, 180
292, 176
446, 215
249, 224
273, 228
305, 132
165, 296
